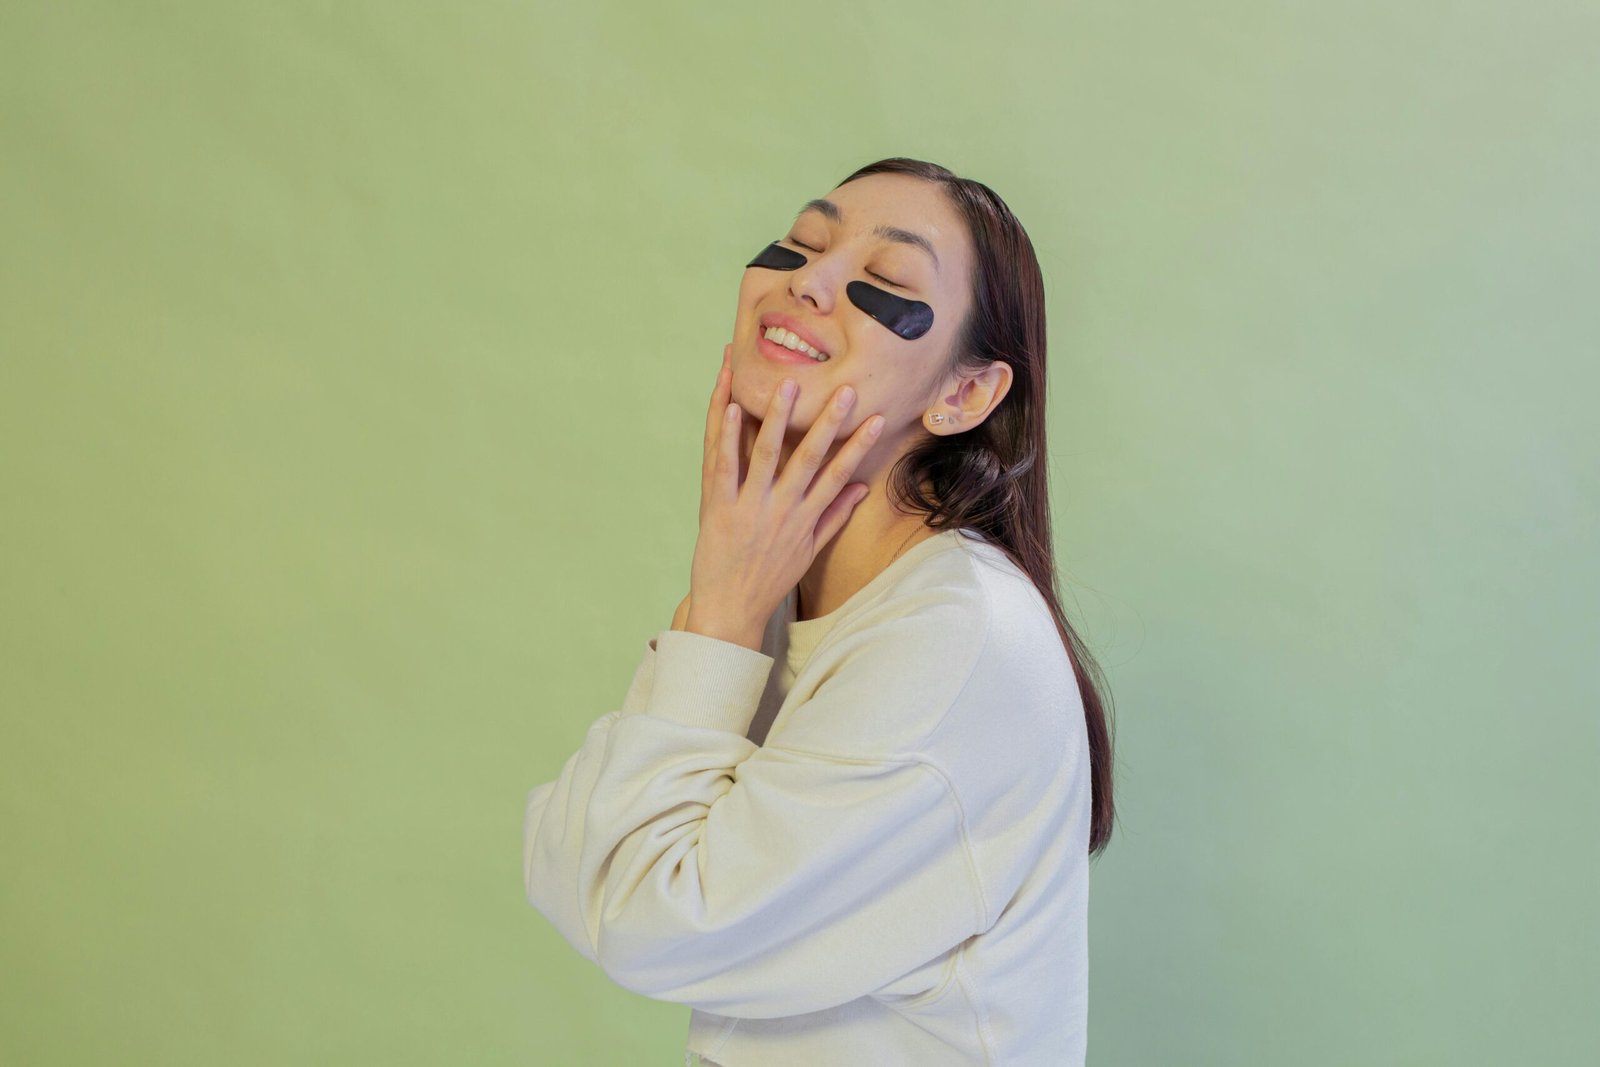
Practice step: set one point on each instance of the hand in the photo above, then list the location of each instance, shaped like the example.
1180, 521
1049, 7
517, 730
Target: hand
758, 539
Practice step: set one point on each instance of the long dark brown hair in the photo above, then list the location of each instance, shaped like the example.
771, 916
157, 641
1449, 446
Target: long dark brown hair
993, 478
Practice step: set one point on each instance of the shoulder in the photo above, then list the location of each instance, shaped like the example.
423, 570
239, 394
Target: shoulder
932, 618
969, 603
1020, 628
953, 636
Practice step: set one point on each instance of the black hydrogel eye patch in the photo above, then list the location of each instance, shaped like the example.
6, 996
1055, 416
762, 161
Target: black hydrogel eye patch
909, 319
777, 257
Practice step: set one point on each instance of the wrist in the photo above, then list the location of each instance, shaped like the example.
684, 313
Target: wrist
722, 630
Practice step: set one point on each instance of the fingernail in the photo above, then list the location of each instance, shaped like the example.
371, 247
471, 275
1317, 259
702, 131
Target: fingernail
787, 388
846, 395
874, 425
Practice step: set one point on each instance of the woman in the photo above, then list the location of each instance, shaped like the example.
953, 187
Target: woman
847, 808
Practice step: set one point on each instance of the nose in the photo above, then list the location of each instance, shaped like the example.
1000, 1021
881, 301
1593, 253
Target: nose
815, 282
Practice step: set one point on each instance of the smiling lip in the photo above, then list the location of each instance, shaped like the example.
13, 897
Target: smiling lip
779, 354
795, 327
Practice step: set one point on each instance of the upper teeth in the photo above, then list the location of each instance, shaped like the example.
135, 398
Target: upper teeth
788, 340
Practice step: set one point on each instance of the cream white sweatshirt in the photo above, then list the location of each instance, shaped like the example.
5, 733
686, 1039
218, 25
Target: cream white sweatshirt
865, 844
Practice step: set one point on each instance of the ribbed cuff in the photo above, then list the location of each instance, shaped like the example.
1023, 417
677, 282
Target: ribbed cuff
705, 681
643, 680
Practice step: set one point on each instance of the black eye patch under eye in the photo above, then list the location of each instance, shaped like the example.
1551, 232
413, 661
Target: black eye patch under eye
905, 318
777, 257
909, 319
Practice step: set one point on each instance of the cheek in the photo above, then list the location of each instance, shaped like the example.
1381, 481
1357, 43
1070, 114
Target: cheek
756, 282
754, 292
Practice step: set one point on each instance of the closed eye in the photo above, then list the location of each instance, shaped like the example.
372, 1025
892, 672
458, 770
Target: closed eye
880, 277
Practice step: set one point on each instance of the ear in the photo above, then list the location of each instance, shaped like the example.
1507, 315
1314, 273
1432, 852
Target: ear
970, 400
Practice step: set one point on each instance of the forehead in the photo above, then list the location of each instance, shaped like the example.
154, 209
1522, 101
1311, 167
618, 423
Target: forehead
898, 210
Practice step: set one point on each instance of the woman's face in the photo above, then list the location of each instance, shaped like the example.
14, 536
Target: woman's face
829, 275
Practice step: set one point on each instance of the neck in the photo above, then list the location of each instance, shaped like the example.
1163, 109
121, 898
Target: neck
874, 536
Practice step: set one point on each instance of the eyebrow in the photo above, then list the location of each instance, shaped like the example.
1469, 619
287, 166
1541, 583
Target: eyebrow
893, 233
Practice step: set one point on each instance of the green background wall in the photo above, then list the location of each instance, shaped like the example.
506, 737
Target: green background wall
353, 363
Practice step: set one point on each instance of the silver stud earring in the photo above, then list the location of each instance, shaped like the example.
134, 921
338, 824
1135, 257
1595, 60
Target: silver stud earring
935, 416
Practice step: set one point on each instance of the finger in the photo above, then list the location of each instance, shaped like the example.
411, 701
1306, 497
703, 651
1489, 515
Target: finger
725, 478
720, 396
812, 450
836, 514
769, 441
832, 481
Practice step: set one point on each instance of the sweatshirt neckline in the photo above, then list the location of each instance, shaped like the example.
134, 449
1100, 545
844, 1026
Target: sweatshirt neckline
803, 633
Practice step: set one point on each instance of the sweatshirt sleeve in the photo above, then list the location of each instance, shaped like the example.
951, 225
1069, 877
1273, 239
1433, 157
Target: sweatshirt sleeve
550, 849
643, 676
701, 679
696, 867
